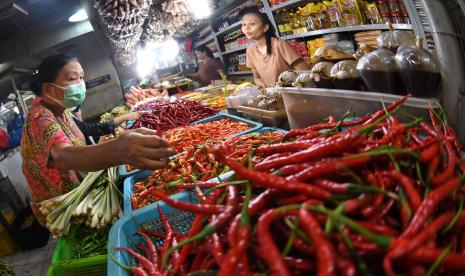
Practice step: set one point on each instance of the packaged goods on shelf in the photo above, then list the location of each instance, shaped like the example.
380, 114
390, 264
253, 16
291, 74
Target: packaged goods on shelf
312, 46
367, 37
301, 48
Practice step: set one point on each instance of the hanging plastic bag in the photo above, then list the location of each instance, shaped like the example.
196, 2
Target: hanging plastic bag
344, 75
392, 39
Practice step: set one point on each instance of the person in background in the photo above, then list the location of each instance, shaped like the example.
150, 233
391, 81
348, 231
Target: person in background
98, 129
269, 56
53, 148
208, 66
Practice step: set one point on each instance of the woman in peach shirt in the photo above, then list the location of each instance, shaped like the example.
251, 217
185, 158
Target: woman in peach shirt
268, 56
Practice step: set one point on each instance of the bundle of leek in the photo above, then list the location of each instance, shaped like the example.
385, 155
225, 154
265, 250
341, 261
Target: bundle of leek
95, 202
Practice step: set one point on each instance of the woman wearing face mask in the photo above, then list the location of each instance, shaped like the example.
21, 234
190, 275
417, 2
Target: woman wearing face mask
53, 148
208, 66
269, 56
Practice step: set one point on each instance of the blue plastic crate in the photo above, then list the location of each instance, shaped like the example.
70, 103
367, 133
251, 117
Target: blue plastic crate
142, 175
254, 126
122, 232
123, 172
271, 129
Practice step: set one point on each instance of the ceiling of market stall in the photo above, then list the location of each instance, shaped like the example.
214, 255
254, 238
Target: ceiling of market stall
33, 29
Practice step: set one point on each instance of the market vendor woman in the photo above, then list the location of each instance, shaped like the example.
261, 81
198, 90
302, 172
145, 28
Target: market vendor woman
54, 150
268, 56
208, 66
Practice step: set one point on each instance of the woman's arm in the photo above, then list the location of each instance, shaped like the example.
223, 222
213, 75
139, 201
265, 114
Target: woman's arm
140, 148
257, 79
126, 117
95, 129
300, 65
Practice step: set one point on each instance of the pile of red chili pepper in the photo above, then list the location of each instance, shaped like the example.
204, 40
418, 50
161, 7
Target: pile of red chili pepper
381, 197
188, 136
197, 164
164, 114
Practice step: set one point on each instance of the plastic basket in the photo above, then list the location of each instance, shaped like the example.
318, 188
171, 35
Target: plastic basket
130, 181
123, 172
92, 266
308, 106
64, 264
122, 232
272, 118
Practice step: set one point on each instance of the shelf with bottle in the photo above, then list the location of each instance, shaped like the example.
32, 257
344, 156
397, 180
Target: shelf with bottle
242, 48
279, 4
329, 15
349, 29
235, 40
237, 64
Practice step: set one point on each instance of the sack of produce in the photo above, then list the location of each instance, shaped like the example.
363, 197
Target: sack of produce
344, 75
321, 74
334, 52
392, 39
419, 70
286, 78
362, 50
379, 71
304, 80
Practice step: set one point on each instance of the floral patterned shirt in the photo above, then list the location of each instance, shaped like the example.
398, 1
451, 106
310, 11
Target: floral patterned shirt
42, 129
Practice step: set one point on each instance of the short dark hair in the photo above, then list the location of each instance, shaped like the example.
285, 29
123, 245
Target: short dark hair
270, 33
48, 71
205, 49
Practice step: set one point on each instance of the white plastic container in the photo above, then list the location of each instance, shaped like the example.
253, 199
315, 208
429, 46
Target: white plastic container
273, 118
309, 106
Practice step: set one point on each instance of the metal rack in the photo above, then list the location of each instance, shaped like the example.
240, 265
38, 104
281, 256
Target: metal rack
416, 26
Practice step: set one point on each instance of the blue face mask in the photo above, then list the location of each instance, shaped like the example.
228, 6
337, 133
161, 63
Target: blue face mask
74, 94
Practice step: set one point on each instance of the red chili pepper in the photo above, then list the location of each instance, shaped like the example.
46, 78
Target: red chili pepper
337, 143
153, 233
346, 267
204, 209
402, 247
298, 132
325, 252
427, 154
448, 173
268, 249
273, 181
389, 108
139, 271
408, 186
428, 206
153, 254
217, 249
329, 166
353, 206
169, 230
217, 223
143, 261
432, 166
299, 264
427, 256
196, 227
